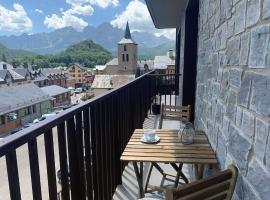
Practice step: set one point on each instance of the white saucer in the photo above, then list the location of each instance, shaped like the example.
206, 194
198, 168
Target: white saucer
156, 140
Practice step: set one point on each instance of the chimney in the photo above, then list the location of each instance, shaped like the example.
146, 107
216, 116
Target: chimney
171, 54
4, 66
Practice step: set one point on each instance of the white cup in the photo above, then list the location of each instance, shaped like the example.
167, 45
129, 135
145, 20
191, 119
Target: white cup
149, 135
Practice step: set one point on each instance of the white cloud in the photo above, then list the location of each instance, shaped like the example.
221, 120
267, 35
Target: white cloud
70, 16
140, 20
15, 20
56, 22
77, 2
105, 3
100, 3
81, 10
39, 11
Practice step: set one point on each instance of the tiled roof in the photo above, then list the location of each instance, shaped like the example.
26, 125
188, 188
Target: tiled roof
54, 90
113, 62
111, 81
20, 96
161, 62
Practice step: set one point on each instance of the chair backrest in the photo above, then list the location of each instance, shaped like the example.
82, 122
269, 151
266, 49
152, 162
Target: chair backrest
217, 187
182, 113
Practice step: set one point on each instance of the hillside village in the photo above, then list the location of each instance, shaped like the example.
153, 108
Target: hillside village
33, 93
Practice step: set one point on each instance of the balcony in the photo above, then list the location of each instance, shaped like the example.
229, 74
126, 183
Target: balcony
83, 144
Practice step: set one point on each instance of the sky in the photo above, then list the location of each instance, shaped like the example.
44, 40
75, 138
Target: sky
35, 16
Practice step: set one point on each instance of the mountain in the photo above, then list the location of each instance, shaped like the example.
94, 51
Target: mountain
85, 52
11, 54
54, 42
149, 53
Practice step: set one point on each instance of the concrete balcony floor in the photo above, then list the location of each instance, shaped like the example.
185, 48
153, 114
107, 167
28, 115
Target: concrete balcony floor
129, 188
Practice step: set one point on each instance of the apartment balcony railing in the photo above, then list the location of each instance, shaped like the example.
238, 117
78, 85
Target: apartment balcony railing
90, 139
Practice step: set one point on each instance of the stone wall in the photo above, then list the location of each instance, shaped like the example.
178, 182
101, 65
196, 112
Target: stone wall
233, 88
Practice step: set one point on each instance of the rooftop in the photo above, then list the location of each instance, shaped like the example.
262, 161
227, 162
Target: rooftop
20, 96
111, 81
54, 90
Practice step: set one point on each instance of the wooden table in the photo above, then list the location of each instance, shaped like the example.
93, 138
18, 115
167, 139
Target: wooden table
168, 150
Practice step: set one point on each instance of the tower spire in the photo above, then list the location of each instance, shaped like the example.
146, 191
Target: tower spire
127, 32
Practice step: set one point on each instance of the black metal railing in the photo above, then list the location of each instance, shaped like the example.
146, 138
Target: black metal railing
91, 138
166, 89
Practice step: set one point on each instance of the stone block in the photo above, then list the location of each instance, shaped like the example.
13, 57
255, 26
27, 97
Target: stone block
267, 153
218, 113
244, 49
260, 98
225, 126
243, 95
221, 150
225, 10
239, 17
230, 27
266, 9
235, 77
259, 178
238, 118
253, 12
262, 131
232, 53
231, 105
244, 190
258, 47
239, 147
248, 124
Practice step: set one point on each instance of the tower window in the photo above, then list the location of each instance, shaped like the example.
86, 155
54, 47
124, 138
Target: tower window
127, 57
123, 57
125, 47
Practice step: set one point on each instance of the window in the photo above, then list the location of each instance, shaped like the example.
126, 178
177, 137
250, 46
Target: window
127, 58
2, 120
28, 111
34, 108
79, 75
123, 57
79, 71
125, 47
80, 80
12, 116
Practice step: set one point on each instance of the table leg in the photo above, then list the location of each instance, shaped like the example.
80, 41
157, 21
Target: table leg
178, 169
139, 176
148, 177
198, 168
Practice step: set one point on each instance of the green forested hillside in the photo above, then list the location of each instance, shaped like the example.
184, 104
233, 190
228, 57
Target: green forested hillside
86, 53
10, 54
150, 53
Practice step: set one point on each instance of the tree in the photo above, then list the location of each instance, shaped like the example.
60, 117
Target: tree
25, 65
4, 59
138, 72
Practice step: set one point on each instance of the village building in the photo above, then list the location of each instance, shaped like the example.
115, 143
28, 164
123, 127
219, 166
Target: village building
103, 83
59, 96
49, 76
13, 76
119, 70
165, 64
82, 76
21, 104
5, 65
126, 62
